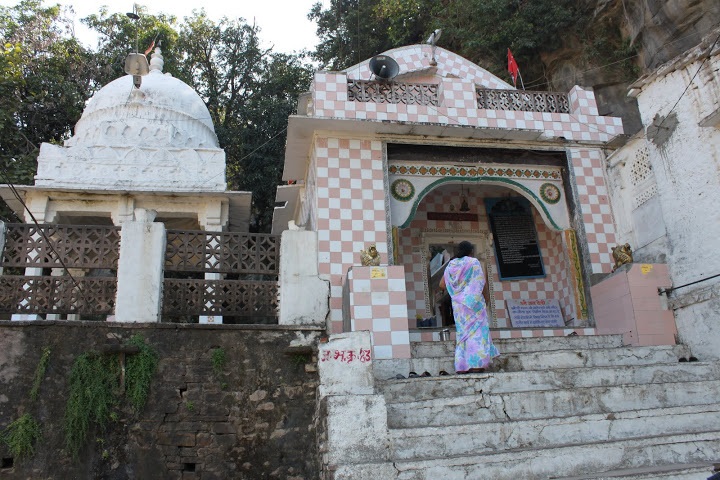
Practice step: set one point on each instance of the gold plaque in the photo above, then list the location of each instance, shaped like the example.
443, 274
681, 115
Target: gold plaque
378, 272
646, 268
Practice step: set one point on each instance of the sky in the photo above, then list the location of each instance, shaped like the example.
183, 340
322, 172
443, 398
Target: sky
283, 23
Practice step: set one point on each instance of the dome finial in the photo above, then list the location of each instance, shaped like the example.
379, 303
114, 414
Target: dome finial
157, 61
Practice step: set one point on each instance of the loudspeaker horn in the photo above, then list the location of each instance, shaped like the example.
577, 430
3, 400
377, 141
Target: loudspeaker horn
384, 67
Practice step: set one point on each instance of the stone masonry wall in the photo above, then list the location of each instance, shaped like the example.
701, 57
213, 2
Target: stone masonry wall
253, 420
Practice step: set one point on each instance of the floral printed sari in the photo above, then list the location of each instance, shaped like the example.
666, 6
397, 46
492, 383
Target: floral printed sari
465, 279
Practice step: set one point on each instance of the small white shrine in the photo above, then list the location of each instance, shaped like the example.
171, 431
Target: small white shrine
142, 158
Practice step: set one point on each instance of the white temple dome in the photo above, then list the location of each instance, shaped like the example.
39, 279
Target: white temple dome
163, 112
158, 137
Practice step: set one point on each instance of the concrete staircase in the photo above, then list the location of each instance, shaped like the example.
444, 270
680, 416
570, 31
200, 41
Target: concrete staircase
569, 407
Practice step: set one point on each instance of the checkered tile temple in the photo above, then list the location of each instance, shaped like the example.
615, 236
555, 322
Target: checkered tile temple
346, 195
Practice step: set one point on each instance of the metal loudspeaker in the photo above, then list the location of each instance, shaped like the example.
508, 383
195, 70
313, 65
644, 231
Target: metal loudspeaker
384, 67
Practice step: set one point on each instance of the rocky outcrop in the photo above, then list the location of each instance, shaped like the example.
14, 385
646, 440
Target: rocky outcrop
623, 40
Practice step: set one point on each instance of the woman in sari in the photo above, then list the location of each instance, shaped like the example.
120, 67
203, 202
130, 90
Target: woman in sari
464, 279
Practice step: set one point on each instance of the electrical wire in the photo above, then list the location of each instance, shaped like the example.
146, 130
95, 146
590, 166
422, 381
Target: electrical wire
702, 64
19, 198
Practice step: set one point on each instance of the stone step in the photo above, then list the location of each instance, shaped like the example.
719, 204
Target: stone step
683, 471
578, 460
425, 388
595, 357
564, 358
466, 439
518, 345
491, 407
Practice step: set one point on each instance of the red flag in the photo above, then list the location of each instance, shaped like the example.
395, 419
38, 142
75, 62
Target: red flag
152, 45
513, 68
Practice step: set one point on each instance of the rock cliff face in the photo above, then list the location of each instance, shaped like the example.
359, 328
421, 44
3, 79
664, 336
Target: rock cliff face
625, 39
663, 29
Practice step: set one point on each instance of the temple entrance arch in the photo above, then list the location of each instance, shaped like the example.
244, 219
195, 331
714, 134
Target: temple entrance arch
449, 210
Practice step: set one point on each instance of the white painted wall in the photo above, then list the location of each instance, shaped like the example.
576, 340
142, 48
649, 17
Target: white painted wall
680, 109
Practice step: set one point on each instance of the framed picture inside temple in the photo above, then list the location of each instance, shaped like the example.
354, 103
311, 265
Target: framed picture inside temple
517, 251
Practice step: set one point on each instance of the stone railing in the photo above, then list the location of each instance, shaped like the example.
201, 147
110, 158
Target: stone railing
44, 254
52, 270
65, 295
71, 246
393, 92
200, 251
249, 263
522, 100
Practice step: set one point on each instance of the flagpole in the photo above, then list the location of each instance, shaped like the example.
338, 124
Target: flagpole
521, 81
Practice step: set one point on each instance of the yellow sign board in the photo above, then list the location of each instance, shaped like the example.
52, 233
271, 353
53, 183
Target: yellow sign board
378, 272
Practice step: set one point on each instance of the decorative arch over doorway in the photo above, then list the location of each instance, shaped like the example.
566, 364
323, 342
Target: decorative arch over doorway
542, 186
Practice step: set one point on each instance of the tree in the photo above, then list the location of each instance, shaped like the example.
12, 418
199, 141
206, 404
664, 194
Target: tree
349, 32
120, 35
479, 30
249, 92
283, 79
45, 80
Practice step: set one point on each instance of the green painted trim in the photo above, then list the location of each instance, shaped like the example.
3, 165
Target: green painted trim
483, 179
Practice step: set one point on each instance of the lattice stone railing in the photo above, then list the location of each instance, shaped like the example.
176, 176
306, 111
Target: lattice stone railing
522, 100
74, 246
393, 92
243, 298
198, 251
250, 261
57, 295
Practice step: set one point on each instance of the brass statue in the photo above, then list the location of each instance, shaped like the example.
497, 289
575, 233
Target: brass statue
622, 254
370, 257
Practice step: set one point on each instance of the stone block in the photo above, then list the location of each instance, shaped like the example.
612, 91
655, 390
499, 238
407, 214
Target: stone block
356, 429
223, 428
177, 439
345, 365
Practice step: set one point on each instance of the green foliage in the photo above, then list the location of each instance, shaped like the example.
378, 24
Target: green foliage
219, 359
480, 30
250, 92
351, 31
139, 371
45, 80
95, 390
39, 373
300, 359
21, 435
118, 35
190, 405
94, 380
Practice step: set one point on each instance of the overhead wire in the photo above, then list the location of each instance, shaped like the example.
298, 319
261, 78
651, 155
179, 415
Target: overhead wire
687, 87
19, 198
605, 65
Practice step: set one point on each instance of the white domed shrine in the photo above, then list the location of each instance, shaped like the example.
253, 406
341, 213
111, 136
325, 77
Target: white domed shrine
158, 137
152, 147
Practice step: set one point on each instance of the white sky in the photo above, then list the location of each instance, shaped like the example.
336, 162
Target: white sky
283, 23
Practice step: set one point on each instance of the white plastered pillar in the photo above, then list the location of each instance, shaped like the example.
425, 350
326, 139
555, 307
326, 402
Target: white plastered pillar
140, 269
38, 205
212, 222
304, 296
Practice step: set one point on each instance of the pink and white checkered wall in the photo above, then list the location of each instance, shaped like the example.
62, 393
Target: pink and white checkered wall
594, 202
350, 195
